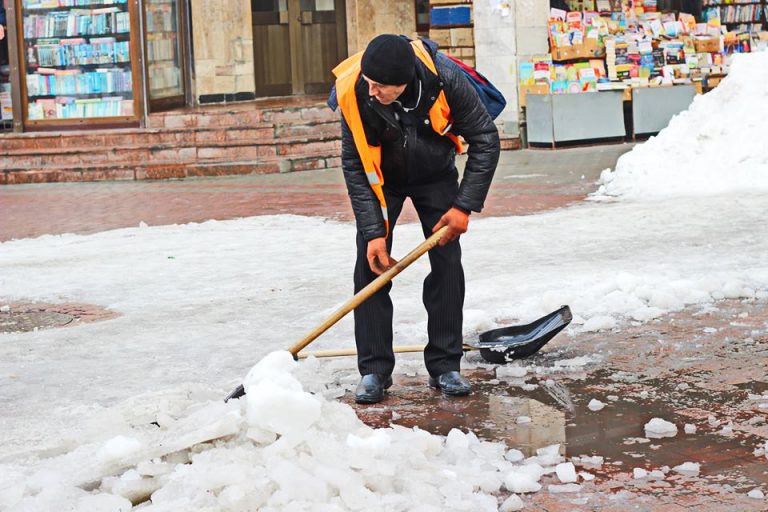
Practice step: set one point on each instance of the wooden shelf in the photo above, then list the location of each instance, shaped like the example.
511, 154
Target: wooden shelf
75, 7
84, 36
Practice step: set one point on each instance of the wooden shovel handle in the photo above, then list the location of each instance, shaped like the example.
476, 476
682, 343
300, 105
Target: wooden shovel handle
369, 290
341, 352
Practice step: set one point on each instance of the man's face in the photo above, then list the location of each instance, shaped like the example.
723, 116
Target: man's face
384, 94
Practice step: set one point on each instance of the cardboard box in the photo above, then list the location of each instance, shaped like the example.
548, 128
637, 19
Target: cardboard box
453, 15
710, 45
464, 36
588, 50
453, 52
532, 89
441, 36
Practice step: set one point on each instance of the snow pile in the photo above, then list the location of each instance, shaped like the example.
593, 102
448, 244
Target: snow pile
280, 448
658, 428
688, 468
714, 147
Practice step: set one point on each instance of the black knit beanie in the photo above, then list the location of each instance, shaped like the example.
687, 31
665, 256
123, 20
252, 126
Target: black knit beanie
389, 60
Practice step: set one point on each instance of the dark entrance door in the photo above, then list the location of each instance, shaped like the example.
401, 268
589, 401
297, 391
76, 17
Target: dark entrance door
296, 43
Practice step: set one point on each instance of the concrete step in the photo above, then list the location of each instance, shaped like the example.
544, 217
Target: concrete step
177, 146
150, 171
21, 144
181, 153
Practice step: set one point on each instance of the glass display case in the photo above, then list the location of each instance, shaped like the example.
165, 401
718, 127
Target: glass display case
79, 62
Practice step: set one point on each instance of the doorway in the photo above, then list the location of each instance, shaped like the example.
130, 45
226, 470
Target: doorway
296, 44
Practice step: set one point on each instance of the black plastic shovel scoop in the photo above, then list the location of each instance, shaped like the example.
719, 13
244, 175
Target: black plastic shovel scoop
518, 341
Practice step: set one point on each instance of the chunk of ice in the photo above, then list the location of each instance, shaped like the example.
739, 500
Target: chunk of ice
756, 493
688, 468
690, 428
595, 405
566, 472
658, 428
639, 473
512, 504
118, 448
595, 460
520, 482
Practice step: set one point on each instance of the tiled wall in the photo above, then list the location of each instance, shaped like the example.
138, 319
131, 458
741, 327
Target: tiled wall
505, 33
368, 18
223, 47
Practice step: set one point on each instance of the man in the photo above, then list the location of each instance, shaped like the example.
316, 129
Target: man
403, 105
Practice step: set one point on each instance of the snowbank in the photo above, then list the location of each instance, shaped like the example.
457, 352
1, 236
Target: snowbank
280, 448
716, 146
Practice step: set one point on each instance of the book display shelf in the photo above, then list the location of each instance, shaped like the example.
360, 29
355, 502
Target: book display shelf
79, 62
165, 70
740, 15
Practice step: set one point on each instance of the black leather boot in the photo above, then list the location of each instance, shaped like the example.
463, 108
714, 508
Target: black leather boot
451, 384
371, 388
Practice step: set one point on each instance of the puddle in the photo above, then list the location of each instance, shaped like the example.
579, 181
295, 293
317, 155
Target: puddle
494, 410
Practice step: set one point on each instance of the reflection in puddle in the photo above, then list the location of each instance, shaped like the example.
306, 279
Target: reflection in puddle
528, 420
507, 416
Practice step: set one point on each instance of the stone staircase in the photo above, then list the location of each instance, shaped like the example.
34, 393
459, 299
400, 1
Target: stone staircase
255, 137
264, 136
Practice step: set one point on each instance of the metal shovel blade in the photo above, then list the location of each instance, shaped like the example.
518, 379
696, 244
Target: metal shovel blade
499, 346
236, 393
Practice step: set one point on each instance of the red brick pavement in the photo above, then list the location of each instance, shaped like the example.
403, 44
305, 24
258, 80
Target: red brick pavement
34, 210
526, 182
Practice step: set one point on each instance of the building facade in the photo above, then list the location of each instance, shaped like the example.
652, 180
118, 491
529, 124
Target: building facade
111, 63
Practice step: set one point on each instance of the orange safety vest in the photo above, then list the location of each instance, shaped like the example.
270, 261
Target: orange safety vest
347, 74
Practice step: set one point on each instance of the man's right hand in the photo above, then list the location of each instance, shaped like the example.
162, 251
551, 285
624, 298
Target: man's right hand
378, 256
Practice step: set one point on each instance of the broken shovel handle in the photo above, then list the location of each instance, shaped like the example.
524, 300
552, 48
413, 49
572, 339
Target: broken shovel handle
369, 290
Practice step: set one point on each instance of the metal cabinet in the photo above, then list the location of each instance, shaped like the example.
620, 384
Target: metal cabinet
654, 107
572, 117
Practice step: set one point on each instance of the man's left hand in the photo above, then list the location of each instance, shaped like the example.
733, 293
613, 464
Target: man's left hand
457, 222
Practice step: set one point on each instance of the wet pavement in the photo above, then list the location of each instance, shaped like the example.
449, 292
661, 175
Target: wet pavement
705, 366
25, 317
526, 182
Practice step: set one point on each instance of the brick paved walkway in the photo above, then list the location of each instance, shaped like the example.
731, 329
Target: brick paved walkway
526, 181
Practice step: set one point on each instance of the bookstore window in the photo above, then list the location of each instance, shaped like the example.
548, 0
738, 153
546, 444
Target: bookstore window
78, 61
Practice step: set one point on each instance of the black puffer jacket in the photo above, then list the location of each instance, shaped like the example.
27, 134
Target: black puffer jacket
415, 154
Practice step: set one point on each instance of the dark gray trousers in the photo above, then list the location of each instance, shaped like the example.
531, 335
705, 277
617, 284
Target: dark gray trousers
443, 294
